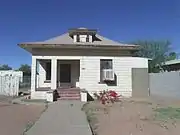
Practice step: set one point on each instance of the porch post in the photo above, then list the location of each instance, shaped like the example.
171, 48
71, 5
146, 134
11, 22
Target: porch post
53, 73
33, 74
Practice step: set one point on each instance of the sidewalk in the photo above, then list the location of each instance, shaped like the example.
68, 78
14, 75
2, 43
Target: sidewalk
62, 118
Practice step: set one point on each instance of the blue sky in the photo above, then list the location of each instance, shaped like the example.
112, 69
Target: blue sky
120, 20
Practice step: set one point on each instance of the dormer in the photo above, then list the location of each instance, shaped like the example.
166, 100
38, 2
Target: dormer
82, 35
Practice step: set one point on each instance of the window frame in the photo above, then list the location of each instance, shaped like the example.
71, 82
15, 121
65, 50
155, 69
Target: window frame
101, 68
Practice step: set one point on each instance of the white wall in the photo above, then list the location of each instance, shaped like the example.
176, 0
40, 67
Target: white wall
90, 72
38, 95
122, 66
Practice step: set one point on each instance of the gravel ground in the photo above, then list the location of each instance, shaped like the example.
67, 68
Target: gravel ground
133, 118
15, 118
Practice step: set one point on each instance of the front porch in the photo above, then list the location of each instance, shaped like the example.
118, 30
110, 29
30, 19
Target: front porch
53, 74
50, 74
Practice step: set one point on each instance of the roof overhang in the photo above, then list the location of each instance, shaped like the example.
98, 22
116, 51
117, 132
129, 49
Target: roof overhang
29, 47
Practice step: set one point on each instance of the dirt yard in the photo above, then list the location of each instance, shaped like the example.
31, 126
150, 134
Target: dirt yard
134, 117
15, 118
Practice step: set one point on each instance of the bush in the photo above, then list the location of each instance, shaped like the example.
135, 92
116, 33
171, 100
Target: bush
106, 97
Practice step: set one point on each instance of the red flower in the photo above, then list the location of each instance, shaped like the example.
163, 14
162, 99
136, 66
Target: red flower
107, 96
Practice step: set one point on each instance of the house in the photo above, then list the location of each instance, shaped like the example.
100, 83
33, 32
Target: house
82, 59
172, 65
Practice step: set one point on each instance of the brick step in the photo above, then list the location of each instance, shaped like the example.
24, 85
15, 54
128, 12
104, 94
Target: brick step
71, 89
69, 92
70, 95
69, 98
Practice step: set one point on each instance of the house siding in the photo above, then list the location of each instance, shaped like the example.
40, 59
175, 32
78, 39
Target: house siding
122, 66
90, 72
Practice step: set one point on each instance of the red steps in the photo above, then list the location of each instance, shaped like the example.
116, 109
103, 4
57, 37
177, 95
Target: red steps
69, 97
69, 94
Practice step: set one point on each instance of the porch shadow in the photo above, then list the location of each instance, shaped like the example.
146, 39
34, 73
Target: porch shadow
56, 95
89, 97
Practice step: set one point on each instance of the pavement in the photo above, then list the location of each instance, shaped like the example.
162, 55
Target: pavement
62, 118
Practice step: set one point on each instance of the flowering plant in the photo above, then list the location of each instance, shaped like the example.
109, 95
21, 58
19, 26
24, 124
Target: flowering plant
108, 96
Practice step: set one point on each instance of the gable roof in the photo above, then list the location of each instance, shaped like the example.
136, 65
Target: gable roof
65, 39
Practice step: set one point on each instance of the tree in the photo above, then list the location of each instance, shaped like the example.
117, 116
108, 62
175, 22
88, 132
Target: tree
5, 67
157, 51
172, 56
26, 69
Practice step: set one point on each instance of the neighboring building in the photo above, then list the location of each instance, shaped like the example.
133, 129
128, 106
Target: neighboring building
83, 59
172, 65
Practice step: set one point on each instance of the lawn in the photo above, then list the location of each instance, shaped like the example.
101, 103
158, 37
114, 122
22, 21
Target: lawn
168, 113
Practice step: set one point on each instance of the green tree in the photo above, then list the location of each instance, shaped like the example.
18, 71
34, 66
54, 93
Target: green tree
5, 67
156, 51
26, 69
172, 56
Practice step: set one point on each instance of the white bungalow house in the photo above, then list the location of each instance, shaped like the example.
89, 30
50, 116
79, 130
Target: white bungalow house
82, 59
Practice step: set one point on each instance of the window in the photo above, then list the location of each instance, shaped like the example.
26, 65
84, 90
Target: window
83, 38
48, 71
105, 64
78, 38
87, 38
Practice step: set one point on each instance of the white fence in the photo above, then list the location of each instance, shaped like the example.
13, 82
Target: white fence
9, 82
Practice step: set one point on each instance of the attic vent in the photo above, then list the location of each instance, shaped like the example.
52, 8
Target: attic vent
83, 38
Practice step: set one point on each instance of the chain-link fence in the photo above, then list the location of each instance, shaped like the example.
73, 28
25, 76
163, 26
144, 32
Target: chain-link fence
25, 85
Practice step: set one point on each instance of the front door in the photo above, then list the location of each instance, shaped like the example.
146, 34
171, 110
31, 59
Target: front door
65, 73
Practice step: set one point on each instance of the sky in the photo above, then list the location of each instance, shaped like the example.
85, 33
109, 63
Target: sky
119, 20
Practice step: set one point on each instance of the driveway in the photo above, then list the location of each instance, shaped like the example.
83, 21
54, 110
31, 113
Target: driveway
62, 118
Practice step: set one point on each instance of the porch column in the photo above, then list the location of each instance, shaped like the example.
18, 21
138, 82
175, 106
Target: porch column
33, 74
53, 73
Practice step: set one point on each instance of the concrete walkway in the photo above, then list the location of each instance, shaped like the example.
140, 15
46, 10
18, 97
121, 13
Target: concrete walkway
62, 118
